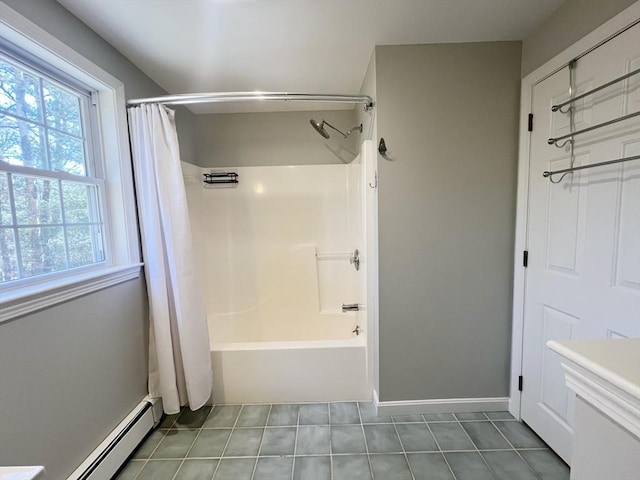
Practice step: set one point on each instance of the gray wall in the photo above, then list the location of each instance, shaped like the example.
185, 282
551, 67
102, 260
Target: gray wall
281, 138
449, 116
69, 374
571, 22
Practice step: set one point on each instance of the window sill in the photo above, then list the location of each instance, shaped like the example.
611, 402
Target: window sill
27, 300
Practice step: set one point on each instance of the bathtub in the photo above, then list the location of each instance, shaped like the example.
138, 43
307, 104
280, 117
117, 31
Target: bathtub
294, 354
275, 257
285, 372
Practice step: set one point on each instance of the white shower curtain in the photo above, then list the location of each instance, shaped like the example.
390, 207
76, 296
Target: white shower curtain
179, 352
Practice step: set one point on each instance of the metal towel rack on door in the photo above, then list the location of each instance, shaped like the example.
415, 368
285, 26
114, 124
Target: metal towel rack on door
569, 136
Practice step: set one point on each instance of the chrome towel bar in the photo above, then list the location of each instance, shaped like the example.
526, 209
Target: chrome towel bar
555, 108
553, 141
591, 165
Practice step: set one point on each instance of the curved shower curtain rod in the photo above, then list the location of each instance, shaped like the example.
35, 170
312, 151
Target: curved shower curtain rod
221, 97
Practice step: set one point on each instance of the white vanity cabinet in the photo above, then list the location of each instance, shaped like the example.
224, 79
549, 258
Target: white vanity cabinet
605, 374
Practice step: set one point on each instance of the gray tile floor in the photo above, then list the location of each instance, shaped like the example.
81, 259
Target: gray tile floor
340, 441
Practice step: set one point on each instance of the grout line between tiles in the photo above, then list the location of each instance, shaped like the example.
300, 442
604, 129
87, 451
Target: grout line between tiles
406, 459
369, 455
174, 421
515, 450
477, 449
295, 444
440, 449
143, 465
330, 444
364, 436
228, 439
240, 427
193, 442
146, 460
526, 449
255, 465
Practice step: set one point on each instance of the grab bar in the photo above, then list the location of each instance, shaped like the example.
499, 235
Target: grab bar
354, 258
333, 256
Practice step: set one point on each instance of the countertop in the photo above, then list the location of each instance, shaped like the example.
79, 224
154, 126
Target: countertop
605, 373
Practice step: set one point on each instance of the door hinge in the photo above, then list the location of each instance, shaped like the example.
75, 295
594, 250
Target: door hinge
520, 383
525, 258
530, 123
94, 98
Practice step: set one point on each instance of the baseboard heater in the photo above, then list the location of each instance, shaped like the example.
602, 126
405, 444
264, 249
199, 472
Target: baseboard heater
110, 455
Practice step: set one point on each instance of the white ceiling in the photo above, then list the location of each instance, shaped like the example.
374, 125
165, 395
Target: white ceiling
314, 46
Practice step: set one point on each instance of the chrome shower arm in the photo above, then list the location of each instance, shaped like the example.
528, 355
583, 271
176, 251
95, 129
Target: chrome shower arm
349, 132
319, 127
345, 135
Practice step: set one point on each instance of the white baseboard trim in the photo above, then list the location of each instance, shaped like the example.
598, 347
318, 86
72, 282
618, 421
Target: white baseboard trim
376, 399
444, 405
109, 456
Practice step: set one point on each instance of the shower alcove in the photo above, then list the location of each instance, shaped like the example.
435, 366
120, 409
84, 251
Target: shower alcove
274, 254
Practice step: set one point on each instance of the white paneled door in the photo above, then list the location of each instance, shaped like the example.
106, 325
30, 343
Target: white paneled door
583, 274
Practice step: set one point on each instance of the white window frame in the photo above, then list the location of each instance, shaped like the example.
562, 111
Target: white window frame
94, 175
114, 155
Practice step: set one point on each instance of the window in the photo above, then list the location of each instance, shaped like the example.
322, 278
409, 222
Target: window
50, 185
67, 207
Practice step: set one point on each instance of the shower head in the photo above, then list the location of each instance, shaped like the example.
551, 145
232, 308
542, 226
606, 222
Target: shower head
319, 127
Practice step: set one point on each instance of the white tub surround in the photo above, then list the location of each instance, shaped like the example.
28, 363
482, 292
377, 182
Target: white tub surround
275, 255
605, 374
